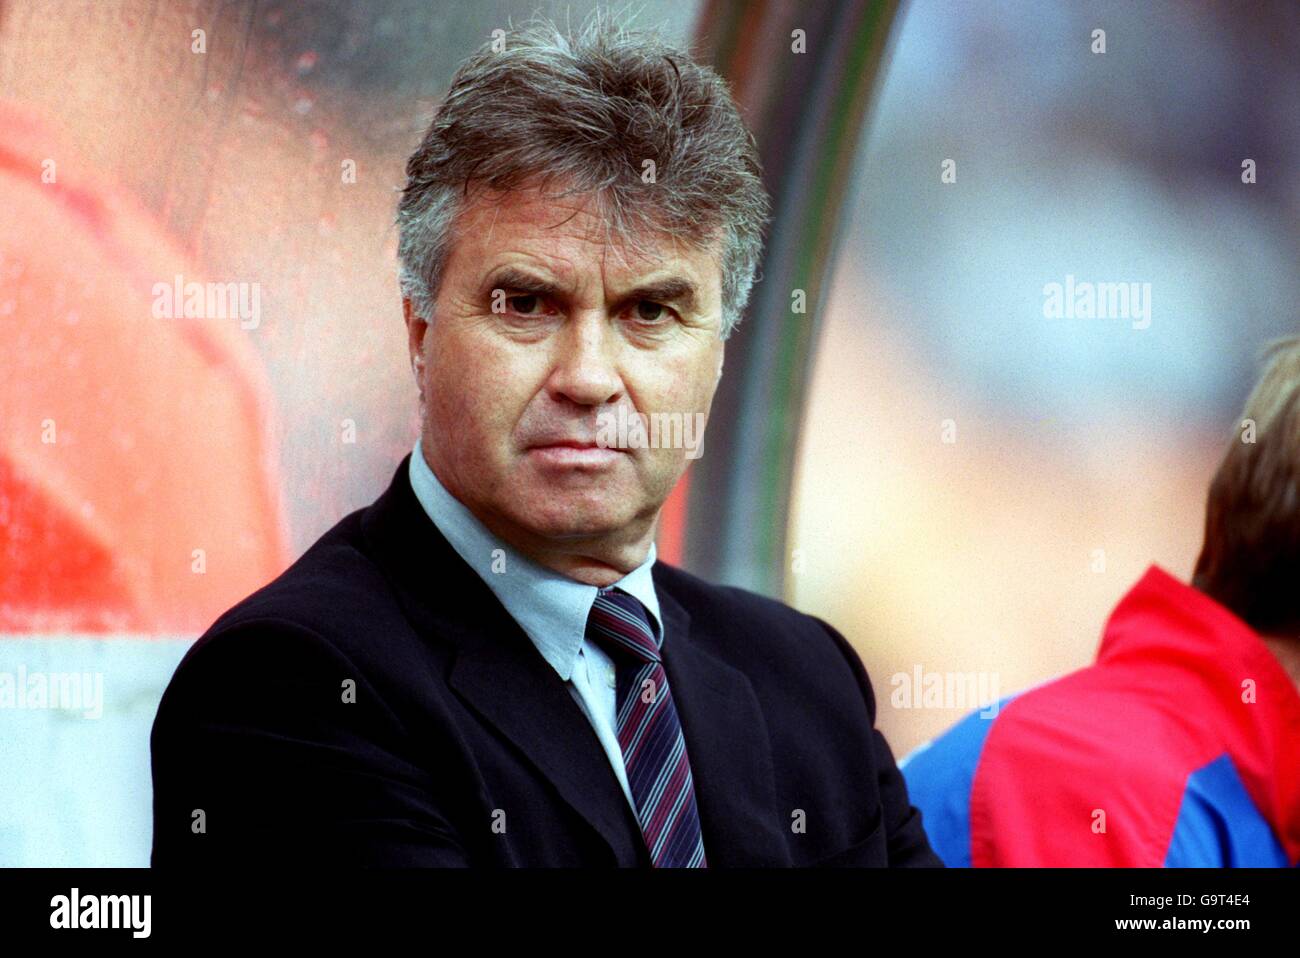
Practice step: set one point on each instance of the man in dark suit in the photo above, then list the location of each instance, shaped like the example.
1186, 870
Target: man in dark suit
489, 665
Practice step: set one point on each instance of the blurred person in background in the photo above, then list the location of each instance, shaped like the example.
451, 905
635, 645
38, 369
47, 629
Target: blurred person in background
1180, 746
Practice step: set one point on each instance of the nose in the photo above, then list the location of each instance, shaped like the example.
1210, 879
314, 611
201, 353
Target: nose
585, 369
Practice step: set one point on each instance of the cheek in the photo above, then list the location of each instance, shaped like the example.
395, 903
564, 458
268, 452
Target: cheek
446, 391
473, 392
683, 384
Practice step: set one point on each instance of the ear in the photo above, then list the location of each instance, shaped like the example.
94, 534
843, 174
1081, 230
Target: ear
722, 353
415, 330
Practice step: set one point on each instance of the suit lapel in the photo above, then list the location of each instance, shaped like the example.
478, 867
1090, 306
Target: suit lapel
521, 695
496, 669
728, 748
500, 674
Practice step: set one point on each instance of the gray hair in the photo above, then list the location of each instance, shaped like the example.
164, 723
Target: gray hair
585, 112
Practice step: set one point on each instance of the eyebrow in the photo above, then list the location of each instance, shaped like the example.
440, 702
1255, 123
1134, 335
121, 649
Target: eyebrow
511, 277
671, 289
676, 290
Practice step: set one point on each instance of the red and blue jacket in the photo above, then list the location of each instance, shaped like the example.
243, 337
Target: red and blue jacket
1179, 746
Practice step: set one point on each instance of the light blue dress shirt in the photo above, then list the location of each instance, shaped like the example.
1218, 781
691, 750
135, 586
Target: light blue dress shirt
551, 608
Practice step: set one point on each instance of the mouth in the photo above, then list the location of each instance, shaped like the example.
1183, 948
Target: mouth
568, 453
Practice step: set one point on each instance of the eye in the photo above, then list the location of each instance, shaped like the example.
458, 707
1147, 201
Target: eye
648, 311
524, 305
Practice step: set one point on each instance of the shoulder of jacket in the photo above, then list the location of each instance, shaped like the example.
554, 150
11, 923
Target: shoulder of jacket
729, 605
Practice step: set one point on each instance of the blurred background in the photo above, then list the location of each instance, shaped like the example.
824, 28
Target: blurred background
957, 482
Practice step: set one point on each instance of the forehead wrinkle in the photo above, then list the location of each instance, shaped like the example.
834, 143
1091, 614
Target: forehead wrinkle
558, 269
641, 253
493, 225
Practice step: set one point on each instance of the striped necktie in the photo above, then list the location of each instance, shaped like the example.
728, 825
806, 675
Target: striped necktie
649, 732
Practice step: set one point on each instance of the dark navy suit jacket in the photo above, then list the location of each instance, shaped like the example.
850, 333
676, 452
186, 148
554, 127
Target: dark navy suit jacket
375, 705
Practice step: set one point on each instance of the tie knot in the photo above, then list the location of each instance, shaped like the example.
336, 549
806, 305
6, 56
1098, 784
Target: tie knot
619, 621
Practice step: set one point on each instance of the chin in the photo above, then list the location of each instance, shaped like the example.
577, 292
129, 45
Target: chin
575, 515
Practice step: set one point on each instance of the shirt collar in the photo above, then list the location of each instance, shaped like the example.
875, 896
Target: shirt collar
551, 608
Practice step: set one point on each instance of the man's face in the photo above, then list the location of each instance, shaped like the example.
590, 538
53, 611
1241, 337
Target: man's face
540, 333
